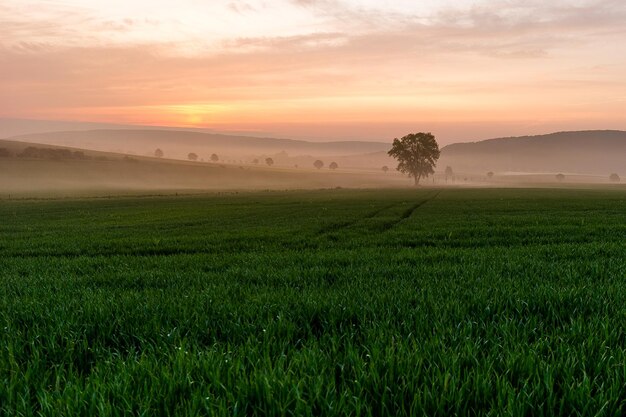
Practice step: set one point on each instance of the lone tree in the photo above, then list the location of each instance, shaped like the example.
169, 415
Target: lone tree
385, 169
560, 177
255, 161
614, 177
449, 173
192, 156
318, 164
490, 175
417, 155
269, 162
333, 165
158, 153
215, 158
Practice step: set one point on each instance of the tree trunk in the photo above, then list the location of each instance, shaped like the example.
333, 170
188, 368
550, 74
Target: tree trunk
417, 179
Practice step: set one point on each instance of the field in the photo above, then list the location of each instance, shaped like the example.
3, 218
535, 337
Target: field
331, 302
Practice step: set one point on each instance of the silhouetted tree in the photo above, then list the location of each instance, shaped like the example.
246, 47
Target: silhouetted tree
318, 164
560, 177
417, 154
490, 175
385, 169
51, 153
614, 177
449, 172
333, 165
214, 157
255, 161
192, 156
158, 153
5, 153
269, 162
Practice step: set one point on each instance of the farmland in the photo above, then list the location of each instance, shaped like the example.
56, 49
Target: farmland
329, 302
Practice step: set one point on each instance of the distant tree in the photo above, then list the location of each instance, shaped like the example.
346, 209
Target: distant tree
5, 153
255, 161
614, 177
192, 156
560, 177
318, 164
214, 157
417, 155
449, 173
490, 175
269, 162
385, 169
158, 153
333, 165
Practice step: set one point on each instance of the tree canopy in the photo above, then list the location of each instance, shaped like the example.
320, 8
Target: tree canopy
318, 164
333, 165
417, 154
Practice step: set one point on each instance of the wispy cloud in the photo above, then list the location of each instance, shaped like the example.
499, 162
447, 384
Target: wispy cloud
500, 60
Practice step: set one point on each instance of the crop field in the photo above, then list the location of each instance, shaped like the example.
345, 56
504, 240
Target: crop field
331, 302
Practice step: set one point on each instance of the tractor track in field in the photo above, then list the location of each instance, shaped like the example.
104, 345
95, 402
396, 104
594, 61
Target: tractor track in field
409, 212
342, 225
405, 215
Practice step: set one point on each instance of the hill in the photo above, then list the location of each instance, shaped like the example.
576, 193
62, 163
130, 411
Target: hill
27, 168
177, 143
590, 152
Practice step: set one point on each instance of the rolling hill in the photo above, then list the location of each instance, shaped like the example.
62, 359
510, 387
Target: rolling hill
584, 152
31, 168
178, 144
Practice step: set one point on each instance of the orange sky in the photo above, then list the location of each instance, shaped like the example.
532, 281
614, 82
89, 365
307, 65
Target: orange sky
319, 69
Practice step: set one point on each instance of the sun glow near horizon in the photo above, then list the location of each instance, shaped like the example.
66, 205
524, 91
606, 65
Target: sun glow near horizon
462, 69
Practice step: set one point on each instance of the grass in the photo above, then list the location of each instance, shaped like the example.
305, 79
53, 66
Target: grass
397, 302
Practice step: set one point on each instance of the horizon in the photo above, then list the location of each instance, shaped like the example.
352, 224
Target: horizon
319, 70
252, 135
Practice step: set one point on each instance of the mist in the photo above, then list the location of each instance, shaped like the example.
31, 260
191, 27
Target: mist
101, 161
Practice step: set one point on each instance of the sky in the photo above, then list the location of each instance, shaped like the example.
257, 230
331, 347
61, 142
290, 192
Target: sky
319, 69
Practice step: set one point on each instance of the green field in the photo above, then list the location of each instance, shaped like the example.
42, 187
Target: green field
336, 302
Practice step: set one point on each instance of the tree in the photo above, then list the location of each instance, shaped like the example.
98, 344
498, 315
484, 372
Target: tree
449, 172
158, 153
5, 153
333, 165
490, 175
255, 161
192, 156
385, 169
614, 177
318, 164
417, 155
560, 177
215, 158
269, 162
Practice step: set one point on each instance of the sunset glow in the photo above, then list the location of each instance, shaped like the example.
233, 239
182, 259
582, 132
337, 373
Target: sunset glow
319, 69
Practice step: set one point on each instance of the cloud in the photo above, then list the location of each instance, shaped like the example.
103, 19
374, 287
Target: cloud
508, 59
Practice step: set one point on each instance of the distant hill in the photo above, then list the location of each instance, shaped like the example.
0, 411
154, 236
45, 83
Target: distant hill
587, 152
41, 169
177, 144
